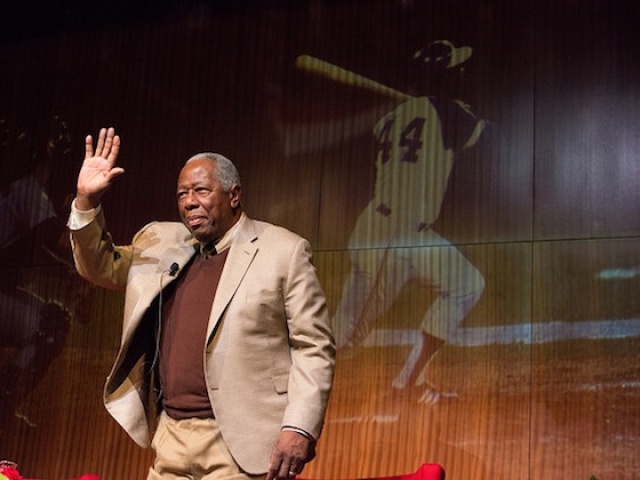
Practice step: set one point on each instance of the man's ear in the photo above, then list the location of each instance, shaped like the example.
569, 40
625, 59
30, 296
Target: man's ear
235, 192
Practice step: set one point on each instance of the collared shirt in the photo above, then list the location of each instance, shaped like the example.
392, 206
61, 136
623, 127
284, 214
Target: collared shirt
81, 218
223, 242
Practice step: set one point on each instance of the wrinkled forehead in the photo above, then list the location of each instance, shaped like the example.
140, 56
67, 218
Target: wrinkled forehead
197, 171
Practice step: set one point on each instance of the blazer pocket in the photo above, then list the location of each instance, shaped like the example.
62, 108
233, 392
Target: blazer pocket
280, 381
266, 301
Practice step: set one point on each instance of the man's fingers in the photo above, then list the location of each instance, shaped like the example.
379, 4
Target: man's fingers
293, 470
100, 144
88, 147
115, 172
285, 471
114, 149
108, 141
107, 145
290, 469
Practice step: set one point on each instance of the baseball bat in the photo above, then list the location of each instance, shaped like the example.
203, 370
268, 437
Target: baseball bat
346, 77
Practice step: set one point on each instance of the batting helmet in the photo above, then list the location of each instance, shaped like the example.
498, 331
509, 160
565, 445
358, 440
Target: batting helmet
442, 54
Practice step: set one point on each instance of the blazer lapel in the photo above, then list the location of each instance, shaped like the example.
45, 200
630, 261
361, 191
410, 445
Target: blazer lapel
151, 280
241, 254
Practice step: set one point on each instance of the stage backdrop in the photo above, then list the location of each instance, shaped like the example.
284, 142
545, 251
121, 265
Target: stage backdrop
466, 170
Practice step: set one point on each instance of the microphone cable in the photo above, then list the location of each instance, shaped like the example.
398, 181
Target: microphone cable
173, 269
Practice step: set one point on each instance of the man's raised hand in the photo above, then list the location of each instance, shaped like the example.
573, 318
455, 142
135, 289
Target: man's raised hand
98, 169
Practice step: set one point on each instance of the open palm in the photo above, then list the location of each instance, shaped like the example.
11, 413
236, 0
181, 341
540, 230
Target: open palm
98, 168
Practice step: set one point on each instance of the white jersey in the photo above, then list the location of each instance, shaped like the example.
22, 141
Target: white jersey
416, 145
417, 142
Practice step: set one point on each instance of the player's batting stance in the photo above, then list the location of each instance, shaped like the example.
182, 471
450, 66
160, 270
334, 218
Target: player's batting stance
416, 146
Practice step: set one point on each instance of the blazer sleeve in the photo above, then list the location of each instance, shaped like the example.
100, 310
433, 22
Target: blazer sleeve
312, 344
97, 258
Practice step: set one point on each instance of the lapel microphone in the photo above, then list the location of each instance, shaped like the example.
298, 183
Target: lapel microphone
173, 269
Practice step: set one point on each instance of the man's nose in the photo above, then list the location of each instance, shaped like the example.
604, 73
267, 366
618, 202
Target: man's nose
189, 200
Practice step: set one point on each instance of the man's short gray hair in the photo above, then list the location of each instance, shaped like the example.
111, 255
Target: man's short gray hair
226, 172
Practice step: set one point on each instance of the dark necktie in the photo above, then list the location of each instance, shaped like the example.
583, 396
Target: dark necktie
208, 250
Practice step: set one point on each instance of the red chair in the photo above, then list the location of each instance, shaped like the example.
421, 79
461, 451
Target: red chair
427, 471
86, 476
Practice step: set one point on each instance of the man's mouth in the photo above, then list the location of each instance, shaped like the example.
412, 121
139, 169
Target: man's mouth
195, 221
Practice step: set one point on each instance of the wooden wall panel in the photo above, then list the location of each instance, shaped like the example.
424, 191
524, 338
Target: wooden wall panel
539, 377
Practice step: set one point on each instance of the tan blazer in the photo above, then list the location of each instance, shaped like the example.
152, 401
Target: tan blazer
272, 359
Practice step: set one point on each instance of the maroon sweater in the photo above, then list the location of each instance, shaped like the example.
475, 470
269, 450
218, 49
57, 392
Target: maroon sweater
182, 340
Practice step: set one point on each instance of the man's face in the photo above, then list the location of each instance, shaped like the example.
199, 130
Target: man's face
205, 208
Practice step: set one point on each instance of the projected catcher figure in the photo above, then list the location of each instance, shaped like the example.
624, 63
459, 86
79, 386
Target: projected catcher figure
416, 146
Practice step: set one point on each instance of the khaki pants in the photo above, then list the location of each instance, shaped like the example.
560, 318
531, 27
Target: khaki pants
193, 449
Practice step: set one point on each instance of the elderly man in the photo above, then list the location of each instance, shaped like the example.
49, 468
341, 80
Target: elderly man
227, 355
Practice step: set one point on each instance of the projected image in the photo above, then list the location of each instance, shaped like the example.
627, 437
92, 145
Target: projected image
40, 292
394, 241
416, 145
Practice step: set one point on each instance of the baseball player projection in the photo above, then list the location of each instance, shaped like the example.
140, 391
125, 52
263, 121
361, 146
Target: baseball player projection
416, 144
